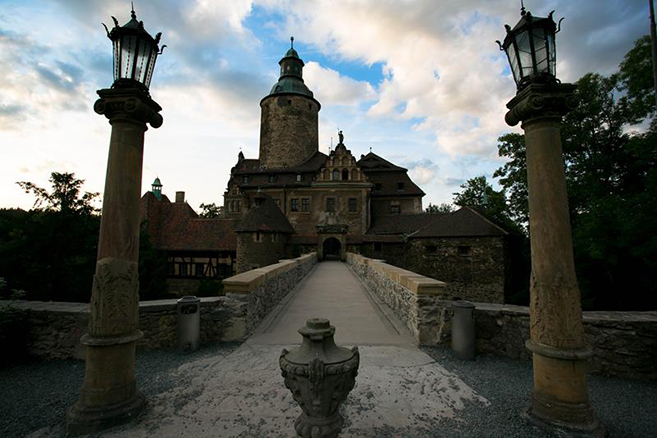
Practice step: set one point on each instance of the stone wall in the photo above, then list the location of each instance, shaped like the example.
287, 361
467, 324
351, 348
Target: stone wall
415, 299
472, 267
54, 329
288, 130
251, 295
252, 252
624, 344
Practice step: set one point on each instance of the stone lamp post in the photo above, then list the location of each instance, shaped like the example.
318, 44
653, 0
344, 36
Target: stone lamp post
109, 393
560, 395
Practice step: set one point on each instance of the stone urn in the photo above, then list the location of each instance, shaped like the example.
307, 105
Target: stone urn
320, 375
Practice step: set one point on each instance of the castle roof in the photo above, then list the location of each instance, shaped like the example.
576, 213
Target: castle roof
177, 227
264, 216
463, 222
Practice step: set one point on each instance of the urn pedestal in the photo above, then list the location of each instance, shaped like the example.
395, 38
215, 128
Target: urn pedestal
320, 375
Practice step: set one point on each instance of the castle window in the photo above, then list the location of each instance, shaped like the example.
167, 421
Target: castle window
305, 204
245, 179
299, 177
395, 209
238, 205
353, 204
294, 204
257, 237
336, 175
198, 269
377, 246
431, 249
330, 204
377, 186
272, 178
345, 175
400, 186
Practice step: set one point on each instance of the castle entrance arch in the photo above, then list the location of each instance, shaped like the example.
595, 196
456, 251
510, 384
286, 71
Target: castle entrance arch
332, 249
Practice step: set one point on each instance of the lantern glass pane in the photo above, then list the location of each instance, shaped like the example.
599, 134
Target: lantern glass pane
128, 48
524, 53
117, 53
513, 62
552, 61
151, 66
540, 50
142, 61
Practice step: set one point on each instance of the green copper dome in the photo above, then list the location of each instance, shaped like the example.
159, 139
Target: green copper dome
291, 75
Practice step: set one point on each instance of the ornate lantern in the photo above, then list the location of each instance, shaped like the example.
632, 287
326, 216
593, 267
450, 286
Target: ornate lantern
530, 49
135, 52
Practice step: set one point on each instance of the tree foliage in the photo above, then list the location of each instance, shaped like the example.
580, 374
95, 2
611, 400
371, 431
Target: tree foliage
64, 196
442, 208
210, 211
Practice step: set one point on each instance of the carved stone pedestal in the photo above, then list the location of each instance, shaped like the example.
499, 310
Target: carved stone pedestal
320, 375
560, 396
109, 393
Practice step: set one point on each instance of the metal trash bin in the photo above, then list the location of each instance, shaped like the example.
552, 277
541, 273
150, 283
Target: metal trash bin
189, 324
463, 330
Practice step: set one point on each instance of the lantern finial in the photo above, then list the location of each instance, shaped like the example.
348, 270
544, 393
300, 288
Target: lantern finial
291, 42
132, 11
522, 8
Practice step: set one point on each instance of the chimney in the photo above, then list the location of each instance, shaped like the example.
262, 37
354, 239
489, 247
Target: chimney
180, 197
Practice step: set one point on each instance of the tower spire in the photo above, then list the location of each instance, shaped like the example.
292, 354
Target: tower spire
291, 42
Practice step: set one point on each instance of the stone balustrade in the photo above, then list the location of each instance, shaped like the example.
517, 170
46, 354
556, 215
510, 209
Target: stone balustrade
54, 328
415, 299
251, 295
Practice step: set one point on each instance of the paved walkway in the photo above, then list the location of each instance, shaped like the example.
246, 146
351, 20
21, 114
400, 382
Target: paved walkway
334, 292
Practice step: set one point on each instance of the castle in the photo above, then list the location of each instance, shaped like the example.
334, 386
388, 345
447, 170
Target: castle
294, 199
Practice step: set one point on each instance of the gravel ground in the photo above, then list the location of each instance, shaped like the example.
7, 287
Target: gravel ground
37, 394
626, 408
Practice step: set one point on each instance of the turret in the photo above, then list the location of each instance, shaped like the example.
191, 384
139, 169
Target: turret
156, 188
289, 119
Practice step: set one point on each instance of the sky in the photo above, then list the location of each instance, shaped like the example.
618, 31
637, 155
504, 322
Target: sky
421, 83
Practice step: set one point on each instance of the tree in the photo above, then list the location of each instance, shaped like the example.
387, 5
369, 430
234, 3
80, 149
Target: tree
210, 211
477, 193
513, 177
65, 195
442, 208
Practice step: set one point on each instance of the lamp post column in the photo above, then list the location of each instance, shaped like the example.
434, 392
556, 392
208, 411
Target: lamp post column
560, 395
109, 394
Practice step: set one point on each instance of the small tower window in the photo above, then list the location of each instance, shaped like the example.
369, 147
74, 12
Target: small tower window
245, 179
400, 186
345, 174
299, 177
336, 175
272, 178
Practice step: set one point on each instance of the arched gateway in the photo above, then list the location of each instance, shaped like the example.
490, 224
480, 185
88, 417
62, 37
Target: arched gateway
332, 249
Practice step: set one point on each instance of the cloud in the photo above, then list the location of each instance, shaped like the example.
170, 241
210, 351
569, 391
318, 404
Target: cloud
440, 64
422, 172
332, 88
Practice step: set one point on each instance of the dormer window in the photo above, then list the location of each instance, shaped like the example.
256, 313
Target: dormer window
299, 177
400, 186
272, 178
245, 179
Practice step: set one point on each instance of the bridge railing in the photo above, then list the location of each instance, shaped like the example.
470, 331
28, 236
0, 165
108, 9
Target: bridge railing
416, 300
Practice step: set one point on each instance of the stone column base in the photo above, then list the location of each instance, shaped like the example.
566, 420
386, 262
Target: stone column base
82, 420
560, 398
109, 394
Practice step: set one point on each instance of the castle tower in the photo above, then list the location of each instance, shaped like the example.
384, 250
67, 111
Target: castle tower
289, 118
